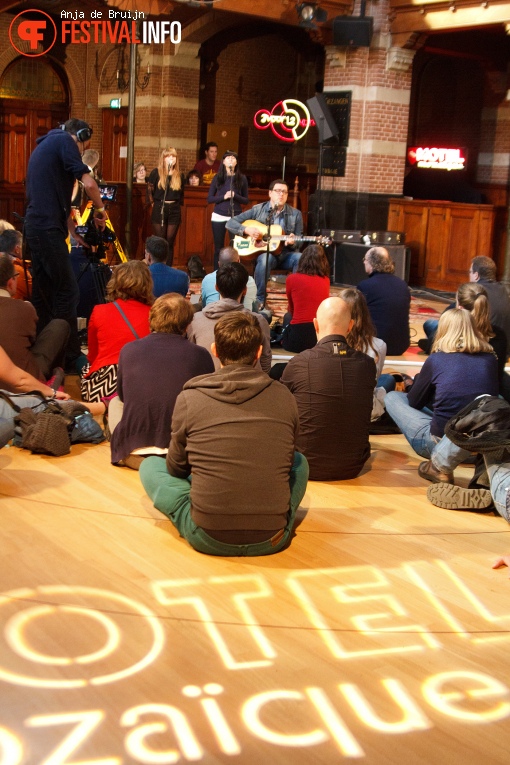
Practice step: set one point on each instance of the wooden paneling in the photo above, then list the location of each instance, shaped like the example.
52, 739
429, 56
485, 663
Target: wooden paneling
20, 126
443, 238
115, 128
412, 220
434, 243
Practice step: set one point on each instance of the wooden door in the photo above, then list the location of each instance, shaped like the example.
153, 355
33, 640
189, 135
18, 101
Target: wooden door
115, 136
20, 126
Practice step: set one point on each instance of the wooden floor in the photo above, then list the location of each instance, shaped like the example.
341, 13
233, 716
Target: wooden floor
380, 635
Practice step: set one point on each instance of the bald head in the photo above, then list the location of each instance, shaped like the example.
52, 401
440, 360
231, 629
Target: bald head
333, 318
228, 255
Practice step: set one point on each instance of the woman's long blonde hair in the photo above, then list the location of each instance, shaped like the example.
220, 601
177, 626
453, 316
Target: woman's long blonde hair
456, 333
473, 297
175, 175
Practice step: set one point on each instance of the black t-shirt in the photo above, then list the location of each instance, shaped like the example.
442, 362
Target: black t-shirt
168, 194
52, 169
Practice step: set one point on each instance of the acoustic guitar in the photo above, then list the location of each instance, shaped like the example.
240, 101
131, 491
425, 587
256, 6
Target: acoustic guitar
253, 246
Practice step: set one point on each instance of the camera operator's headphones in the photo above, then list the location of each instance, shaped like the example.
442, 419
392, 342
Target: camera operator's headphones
83, 134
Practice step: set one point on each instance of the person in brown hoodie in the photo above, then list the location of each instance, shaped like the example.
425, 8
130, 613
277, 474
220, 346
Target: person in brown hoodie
224, 491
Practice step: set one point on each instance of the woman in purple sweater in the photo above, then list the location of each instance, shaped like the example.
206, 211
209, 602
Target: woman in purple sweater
461, 367
152, 372
229, 190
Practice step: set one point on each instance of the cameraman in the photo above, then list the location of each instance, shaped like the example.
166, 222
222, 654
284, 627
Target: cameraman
52, 169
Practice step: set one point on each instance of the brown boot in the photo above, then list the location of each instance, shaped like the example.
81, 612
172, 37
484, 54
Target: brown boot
456, 498
430, 472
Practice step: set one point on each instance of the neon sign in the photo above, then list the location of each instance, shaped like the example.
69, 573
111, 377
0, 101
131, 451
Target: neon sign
439, 159
289, 120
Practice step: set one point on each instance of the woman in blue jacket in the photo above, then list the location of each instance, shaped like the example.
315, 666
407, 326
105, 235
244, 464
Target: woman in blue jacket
461, 367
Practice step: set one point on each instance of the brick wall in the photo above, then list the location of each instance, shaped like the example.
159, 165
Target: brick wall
494, 157
379, 112
256, 74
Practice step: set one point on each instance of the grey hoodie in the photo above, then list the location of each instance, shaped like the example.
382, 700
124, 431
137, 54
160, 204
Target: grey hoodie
201, 329
235, 431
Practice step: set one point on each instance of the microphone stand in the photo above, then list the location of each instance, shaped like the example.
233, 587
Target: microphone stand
231, 200
270, 221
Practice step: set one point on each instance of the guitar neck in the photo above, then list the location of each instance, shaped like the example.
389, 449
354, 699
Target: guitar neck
296, 238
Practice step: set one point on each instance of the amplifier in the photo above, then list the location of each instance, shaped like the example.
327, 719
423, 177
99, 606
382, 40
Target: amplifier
372, 238
348, 266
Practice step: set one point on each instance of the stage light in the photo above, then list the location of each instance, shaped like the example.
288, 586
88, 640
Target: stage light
309, 14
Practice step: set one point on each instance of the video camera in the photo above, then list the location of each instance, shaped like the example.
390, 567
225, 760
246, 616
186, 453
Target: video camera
94, 237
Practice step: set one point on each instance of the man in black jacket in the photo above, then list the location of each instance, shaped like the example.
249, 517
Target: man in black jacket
388, 299
334, 387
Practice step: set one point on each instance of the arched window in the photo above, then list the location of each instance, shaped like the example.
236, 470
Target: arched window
32, 80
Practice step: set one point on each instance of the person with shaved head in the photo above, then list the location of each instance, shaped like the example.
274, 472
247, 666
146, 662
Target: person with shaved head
333, 386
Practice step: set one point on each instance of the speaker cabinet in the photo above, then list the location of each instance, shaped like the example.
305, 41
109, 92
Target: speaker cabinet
325, 121
353, 31
348, 266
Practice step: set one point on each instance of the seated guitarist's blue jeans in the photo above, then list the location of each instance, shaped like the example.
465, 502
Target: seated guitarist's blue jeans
288, 259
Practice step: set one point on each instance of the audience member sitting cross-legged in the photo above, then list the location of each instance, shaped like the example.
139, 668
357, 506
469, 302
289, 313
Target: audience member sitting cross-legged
333, 385
306, 289
164, 278
461, 367
361, 337
224, 493
231, 280
125, 317
388, 299
151, 374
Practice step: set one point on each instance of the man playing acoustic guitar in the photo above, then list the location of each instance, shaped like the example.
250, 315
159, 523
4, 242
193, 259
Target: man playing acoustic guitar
276, 212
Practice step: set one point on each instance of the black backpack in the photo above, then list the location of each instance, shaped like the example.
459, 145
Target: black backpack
481, 426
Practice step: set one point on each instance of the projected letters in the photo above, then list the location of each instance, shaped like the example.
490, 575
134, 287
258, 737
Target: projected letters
367, 617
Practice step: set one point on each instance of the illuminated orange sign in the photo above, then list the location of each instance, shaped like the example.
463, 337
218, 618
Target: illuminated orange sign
439, 159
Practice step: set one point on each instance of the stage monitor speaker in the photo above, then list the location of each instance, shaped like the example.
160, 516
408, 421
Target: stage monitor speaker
323, 117
354, 31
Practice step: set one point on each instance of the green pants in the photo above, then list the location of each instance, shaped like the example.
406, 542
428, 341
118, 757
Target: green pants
172, 497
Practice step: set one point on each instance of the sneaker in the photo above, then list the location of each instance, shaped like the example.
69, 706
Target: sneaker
424, 344
456, 498
430, 472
